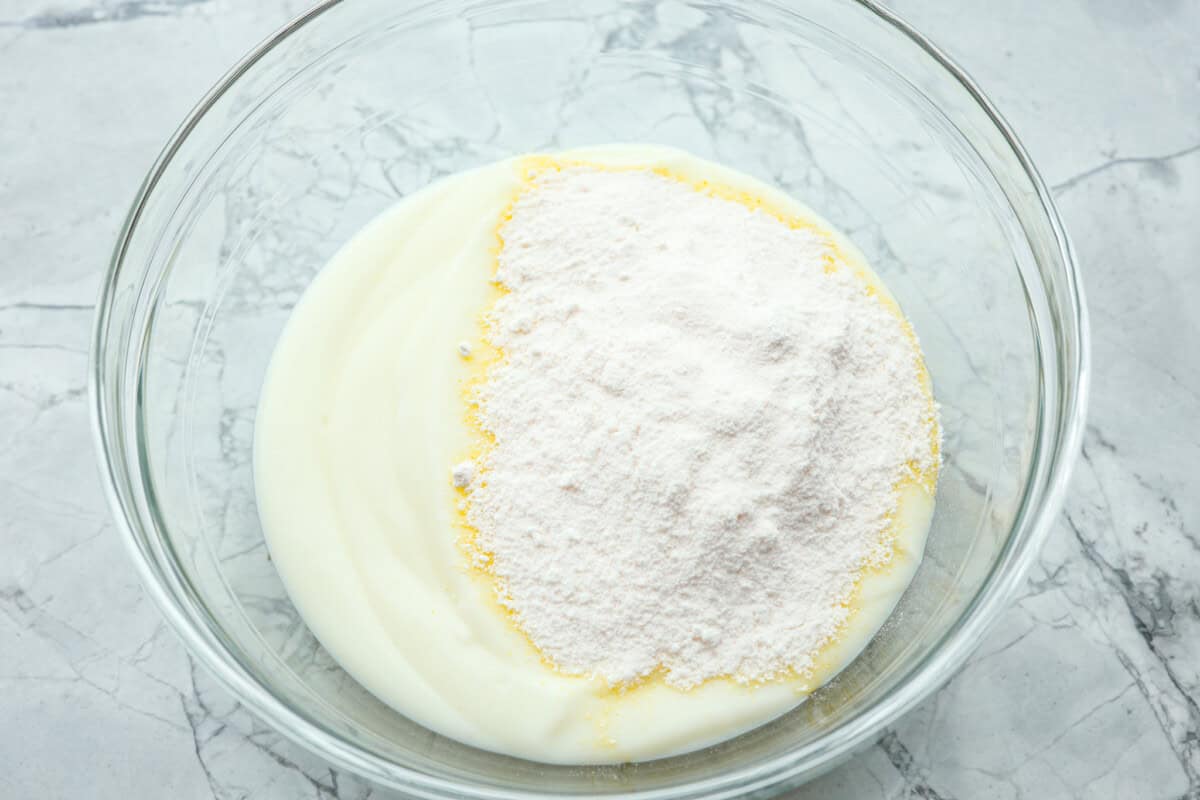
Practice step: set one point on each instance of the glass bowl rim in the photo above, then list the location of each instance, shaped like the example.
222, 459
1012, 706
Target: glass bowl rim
1029, 530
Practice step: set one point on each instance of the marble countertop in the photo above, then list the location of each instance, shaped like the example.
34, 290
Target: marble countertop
1088, 687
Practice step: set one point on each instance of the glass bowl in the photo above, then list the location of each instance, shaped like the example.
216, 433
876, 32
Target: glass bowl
361, 102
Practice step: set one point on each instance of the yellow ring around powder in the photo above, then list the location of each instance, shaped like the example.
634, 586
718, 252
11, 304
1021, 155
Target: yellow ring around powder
485, 355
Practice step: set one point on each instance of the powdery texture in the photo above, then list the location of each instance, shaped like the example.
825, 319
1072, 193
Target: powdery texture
698, 431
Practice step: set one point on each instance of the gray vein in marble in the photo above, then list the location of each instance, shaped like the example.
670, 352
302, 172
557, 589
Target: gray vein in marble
92, 15
1153, 616
1147, 597
1158, 162
915, 782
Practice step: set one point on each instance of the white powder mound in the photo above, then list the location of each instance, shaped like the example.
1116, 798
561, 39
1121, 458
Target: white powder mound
698, 431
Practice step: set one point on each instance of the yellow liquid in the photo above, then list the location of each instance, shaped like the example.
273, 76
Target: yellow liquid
360, 421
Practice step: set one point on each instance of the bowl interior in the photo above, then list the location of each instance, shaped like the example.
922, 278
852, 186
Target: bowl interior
364, 103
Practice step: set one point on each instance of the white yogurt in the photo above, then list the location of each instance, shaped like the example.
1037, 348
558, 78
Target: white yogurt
358, 429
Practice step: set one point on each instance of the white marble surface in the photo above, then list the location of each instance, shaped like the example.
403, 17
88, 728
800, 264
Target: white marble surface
1089, 685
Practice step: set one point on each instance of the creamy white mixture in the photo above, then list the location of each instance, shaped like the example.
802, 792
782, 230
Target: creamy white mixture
360, 428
